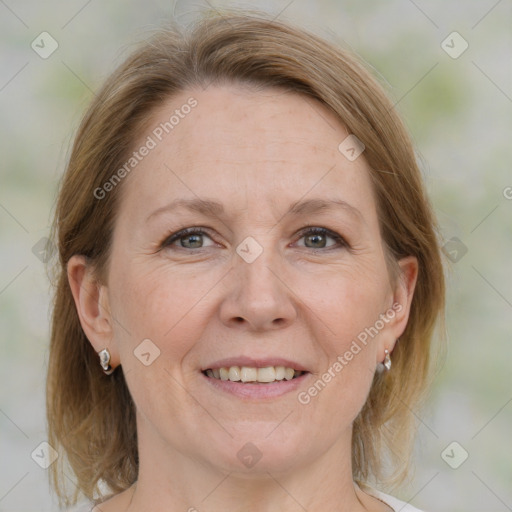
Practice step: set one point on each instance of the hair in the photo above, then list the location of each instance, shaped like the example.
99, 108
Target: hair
91, 416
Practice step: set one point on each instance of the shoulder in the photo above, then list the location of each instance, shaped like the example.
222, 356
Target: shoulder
396, 504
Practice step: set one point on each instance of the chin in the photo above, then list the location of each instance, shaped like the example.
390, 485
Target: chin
261, 451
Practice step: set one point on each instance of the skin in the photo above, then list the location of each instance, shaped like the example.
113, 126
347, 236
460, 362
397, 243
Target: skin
303, 298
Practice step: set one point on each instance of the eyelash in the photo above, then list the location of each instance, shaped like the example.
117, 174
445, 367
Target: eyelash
341, 242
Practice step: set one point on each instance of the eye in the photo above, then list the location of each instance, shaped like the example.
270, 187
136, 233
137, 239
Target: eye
190, 238
317, 237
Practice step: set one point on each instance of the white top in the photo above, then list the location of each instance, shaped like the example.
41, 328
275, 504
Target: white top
396, 504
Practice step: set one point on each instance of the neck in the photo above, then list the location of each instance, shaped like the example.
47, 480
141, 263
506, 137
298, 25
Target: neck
174, 480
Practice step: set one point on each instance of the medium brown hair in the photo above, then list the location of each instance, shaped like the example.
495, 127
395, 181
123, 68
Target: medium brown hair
91, 416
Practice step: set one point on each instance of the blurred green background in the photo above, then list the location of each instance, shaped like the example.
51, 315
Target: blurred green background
459, 113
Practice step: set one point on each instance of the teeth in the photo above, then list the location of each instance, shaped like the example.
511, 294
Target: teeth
248, 374
251, 374
267, 374
234, 373
280, 372
288, 373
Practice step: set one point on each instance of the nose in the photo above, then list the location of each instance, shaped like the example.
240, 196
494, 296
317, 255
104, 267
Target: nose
259, 296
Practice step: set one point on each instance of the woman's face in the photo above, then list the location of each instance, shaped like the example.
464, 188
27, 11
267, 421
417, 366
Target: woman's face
254, 172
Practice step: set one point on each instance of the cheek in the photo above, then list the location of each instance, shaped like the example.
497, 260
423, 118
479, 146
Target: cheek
159, 321
350, 300
352, 308
163, 305
341, 386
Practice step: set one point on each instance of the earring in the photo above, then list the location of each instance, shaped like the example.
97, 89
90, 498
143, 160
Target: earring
105, 361
387, 360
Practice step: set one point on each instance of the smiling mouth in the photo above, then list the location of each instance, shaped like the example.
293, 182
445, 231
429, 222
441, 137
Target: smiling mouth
247, 374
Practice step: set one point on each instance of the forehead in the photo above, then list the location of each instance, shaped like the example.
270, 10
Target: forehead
242, 145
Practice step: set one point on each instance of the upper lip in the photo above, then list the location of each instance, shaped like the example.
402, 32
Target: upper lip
255, 363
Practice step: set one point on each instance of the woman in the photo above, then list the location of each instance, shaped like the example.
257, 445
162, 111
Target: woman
244, 237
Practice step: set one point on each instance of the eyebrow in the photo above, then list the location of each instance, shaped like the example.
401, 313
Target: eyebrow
210, 207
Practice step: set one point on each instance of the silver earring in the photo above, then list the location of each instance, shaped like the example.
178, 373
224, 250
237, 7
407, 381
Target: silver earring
387, 360
105, 361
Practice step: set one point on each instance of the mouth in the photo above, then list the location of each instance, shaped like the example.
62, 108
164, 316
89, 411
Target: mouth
249, 378
253, 374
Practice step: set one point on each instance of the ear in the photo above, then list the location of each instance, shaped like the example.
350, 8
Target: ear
402, 298
91, 301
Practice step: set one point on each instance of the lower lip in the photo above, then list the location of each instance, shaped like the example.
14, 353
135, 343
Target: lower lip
257, 390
